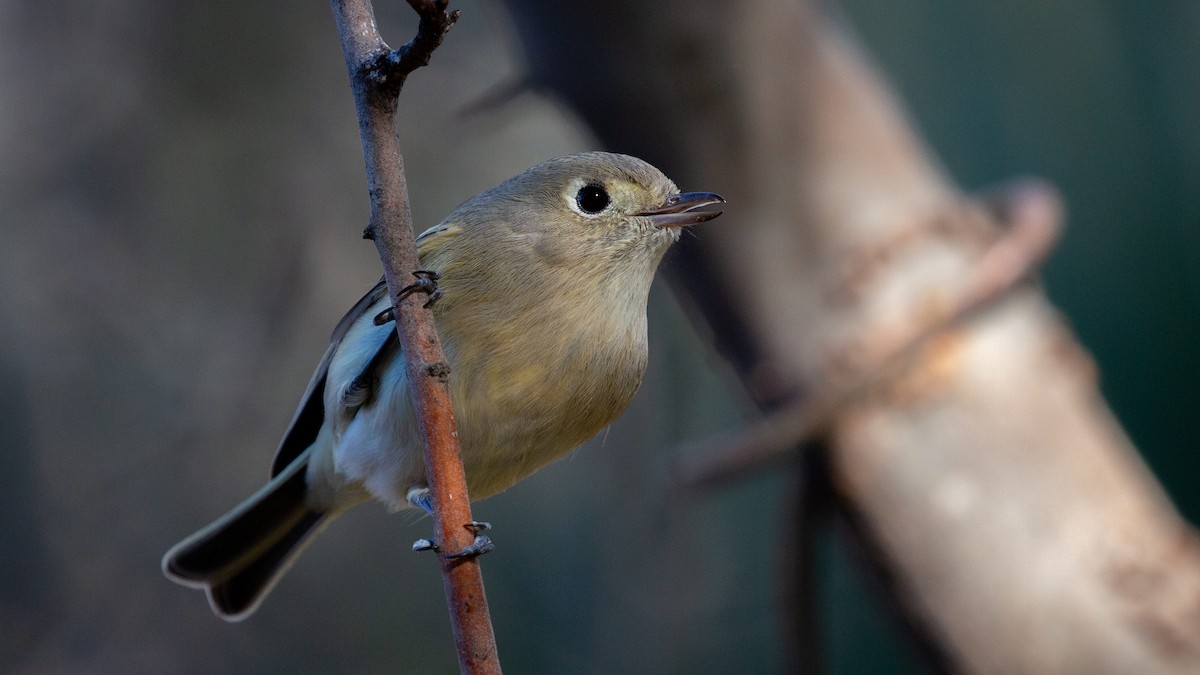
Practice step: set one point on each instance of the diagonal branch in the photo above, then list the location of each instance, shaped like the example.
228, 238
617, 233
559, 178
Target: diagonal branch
990, 479
1032, 212
377, 74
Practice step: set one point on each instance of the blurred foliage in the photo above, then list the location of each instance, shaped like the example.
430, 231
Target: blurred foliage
182, 195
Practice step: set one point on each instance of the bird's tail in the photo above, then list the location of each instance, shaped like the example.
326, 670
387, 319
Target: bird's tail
239, 557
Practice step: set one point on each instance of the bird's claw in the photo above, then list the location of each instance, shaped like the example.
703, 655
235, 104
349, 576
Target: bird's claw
433, 297
482, 544
477, 526
426, 283
386, 316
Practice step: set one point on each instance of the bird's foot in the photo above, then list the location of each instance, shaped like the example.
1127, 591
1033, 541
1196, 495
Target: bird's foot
419, 497
426, 283
482, 544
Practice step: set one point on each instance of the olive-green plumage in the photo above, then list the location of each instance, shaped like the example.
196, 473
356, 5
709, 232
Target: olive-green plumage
542, 316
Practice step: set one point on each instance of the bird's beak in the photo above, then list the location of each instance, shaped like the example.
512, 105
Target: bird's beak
680, 210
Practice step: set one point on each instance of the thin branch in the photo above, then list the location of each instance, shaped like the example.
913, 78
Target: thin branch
807, 515
376, 75
1033, 214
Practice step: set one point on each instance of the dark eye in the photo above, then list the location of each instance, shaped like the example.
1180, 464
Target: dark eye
592, 198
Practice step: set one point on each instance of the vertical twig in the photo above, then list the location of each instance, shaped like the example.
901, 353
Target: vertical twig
808, 514
377, 74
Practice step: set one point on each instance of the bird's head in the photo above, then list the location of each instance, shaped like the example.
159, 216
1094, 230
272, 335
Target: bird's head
594, 211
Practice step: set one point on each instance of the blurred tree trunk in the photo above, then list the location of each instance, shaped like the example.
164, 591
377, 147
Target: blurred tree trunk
988, 480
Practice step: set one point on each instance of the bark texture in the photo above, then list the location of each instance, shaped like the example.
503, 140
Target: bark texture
377, 74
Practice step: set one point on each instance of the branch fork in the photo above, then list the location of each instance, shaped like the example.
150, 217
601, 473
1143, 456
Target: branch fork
389, 68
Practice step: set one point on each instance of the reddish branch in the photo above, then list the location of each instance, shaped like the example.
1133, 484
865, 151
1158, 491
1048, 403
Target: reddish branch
376, 75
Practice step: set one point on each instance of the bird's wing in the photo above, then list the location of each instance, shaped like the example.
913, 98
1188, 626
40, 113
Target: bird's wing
310, 414
434, 239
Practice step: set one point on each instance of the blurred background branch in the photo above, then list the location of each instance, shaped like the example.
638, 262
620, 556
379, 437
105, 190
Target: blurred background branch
1030, 215
987, 477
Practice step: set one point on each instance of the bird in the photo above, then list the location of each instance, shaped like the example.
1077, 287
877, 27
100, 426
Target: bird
541, 292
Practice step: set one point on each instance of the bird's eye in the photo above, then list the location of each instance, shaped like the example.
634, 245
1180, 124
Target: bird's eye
592, 198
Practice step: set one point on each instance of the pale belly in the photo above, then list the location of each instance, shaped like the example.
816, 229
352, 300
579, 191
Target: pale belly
516, 412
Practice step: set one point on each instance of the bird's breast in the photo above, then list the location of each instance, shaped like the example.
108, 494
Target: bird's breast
524, 401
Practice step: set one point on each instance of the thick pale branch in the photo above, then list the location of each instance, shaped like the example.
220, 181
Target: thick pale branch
1015, 520
376, 75
1031, 213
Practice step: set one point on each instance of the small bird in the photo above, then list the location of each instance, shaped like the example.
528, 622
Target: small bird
542, 285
